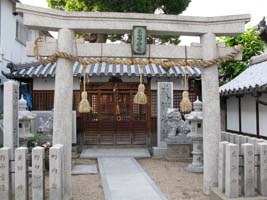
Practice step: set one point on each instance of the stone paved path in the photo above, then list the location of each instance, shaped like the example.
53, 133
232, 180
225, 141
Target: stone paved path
124, 179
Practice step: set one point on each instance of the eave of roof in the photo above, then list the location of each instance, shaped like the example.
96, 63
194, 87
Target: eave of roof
14, 1
35, 70
253, 79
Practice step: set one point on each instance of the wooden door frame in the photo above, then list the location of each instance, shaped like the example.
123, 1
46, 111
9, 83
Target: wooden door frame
131, 88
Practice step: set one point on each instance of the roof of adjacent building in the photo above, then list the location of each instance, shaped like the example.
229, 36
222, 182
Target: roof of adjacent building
254, 78
35, 70
15, 1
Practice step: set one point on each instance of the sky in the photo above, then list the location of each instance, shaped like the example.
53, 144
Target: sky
257, 9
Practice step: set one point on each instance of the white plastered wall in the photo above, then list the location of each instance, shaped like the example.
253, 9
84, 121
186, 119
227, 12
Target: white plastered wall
232, 114
12, 49
49, 84
263, 116
248, 114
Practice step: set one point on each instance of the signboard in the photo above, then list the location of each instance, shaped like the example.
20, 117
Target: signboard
139, 40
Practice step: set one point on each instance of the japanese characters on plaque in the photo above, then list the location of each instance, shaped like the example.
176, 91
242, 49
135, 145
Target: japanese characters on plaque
139, 40
165, 101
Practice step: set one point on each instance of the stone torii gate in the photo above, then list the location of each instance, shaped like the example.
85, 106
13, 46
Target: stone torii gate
66, 23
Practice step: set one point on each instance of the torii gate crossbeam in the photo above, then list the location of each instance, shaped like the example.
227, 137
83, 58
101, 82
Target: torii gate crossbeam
207, 28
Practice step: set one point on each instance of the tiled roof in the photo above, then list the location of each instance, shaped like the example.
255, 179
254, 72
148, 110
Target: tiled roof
102, 69
253, 78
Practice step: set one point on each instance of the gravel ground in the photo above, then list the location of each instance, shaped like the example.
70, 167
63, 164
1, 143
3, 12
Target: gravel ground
170, 177
84, 187
173, 180
87, 186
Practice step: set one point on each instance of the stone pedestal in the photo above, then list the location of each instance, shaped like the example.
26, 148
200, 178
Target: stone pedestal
179, 148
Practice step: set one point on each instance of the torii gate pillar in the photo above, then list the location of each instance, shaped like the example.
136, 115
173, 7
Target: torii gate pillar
62, 126
211, 113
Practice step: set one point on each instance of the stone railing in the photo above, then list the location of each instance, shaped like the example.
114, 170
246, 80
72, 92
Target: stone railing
242, 164
16, 173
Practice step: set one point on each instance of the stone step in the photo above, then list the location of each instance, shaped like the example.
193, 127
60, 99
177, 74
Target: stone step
115, 152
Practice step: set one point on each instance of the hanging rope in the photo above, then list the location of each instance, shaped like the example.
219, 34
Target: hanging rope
185, 104
140, 97
84, 105
117, 112
199, 63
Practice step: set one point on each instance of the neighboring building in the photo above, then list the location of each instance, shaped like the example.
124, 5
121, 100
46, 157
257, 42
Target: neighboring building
245, 100
13, 37
110, 87
262, 28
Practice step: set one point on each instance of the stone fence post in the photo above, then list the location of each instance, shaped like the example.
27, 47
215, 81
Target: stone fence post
221, 173
249, 170
10, 120
231, 170
38, 173
263, 168
21, 174
5, 178
56, 172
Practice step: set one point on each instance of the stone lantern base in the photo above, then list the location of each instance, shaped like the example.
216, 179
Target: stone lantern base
197, 165
179, 148
194, 168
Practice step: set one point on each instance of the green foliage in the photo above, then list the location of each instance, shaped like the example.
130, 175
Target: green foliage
137, 6
1, 115
37, 137
253, 46
132, 6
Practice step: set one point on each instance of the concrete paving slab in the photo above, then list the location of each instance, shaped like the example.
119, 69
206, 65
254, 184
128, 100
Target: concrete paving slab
123, 178
110, 152
83, 169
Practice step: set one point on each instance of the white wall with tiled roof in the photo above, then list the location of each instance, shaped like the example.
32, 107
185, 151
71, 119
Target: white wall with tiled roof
254, 76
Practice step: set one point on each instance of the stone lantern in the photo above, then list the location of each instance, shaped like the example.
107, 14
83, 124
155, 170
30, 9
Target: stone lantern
195, 119
25, 118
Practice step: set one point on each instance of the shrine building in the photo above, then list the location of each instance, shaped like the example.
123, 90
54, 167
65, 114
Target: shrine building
115, 118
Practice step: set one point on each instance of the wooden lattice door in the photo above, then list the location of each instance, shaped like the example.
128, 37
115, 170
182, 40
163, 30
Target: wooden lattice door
123, 118
106, 122
115, 118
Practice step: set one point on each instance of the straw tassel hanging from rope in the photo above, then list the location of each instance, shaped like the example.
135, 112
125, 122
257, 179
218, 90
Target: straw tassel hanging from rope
84, 105
140, 97
186, 105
